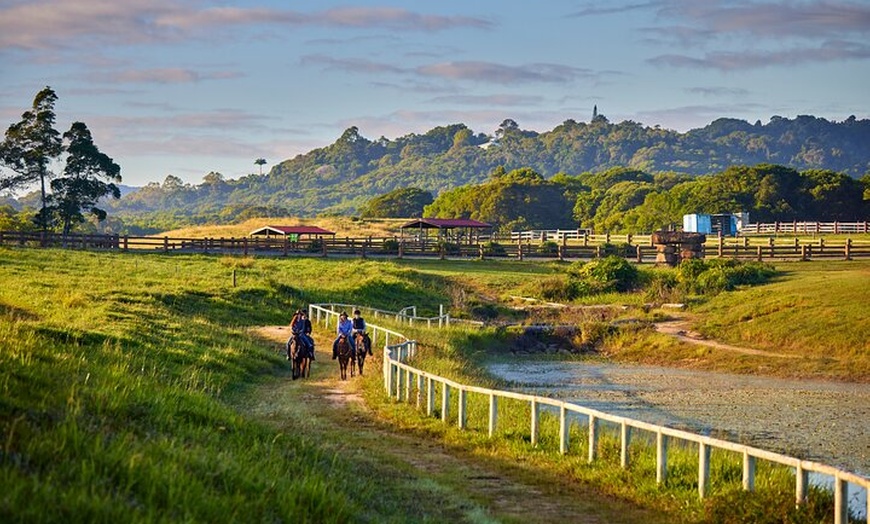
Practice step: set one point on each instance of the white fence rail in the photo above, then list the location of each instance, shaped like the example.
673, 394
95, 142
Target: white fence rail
401, 379
806, 228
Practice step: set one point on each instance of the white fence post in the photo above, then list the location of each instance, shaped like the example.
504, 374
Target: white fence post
563, 429
593, 438
703, 469
534, 423
445, 401
802, 482
841, 501
624, 441
748, 472
462, 411
430, 396
661, 457
493, 413
419, 389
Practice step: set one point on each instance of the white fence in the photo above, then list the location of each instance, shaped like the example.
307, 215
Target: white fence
401, 379
806, 228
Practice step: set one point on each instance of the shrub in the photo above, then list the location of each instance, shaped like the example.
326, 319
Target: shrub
494, 249
449, 248
557, 289
391, 246
717, 275
548, 248
607, 274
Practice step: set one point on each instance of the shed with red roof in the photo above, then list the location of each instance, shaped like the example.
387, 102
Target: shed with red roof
293, 233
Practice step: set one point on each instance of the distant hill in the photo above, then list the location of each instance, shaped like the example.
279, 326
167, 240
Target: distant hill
339, 178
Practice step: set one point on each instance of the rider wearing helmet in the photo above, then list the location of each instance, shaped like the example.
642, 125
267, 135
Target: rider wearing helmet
344, 328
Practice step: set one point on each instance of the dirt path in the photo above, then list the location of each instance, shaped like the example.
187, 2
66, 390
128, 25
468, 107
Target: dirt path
681, 330
466, 486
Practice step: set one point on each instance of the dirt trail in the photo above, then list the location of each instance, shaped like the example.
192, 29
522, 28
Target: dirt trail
481, 489
681, 330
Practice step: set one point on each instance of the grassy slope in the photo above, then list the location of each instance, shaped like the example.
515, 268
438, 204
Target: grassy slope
117, 374
814, 312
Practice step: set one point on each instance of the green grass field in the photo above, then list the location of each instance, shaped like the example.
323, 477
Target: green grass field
121, 374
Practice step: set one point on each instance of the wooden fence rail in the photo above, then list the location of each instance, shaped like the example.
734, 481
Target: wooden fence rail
409, 384
634, 248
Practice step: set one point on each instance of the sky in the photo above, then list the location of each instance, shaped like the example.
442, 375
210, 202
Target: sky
187, 87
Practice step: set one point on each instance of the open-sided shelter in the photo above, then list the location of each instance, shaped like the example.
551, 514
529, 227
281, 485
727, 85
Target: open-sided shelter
454, 230
292, 233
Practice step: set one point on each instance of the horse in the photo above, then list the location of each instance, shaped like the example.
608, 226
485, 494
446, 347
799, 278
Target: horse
299, 356
344, 354
363, 345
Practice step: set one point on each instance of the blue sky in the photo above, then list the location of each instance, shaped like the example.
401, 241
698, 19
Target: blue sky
185, 87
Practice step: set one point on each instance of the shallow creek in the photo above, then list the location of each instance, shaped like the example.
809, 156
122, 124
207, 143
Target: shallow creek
822, 421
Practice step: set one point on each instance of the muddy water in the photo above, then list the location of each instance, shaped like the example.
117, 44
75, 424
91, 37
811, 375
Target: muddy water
825, 422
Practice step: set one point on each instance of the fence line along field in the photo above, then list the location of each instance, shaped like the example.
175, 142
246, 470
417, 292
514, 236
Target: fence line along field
587, 246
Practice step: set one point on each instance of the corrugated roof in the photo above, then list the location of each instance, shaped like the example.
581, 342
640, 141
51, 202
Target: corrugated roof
444, 223
291, 230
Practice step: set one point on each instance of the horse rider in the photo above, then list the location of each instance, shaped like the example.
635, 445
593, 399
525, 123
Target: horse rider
344, 328
359, 326
300, 326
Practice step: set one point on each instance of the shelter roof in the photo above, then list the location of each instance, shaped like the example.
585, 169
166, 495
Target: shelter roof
445, 223
291, 230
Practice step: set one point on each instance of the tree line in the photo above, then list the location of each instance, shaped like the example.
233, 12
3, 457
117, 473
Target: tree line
623, 200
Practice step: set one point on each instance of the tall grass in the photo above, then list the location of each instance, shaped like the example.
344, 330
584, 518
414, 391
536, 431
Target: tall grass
117, 374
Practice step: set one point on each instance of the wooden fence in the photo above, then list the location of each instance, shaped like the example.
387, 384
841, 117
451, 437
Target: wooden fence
406, 383
636, 248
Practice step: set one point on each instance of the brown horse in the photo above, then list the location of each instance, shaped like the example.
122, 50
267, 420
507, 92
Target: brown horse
363, 345
299, 357
344, 354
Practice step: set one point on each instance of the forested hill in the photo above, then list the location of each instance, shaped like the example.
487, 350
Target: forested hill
339, 178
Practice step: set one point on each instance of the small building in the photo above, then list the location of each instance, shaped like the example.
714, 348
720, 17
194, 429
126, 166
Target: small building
726, 224
292, 233
454, 230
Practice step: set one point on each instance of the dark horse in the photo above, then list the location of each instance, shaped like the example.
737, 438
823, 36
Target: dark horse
344, 355
299, 356
363, 345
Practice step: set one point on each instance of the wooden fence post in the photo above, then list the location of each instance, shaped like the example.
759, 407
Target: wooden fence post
639, 254
520, 250
165, 244
848, 249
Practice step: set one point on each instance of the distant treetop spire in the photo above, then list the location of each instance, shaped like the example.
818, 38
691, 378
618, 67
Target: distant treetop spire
594, 111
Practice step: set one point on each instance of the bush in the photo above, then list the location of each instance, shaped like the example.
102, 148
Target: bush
449, 248
494, 249
557, 289
717, 275
548, 248
316, 246
390, 246
607, 274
